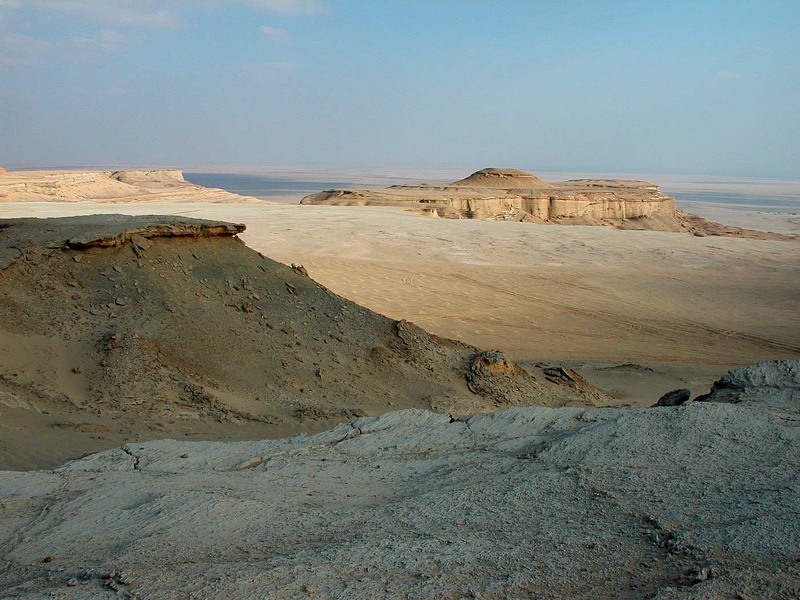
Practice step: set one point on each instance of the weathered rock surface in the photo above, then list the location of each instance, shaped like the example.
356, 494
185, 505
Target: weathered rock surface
166, 185
675, 398
696, 501
158, 324
775, 383
514, 195
510, 194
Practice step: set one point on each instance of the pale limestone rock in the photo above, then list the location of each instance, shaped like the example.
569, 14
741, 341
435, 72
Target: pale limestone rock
513, 195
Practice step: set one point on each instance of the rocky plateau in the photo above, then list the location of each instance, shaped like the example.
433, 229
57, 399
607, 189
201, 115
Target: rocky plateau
514, 195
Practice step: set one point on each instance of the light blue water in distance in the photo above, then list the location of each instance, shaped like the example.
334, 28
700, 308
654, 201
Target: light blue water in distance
264, 187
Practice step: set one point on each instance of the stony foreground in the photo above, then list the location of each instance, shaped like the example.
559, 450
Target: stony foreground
695, 501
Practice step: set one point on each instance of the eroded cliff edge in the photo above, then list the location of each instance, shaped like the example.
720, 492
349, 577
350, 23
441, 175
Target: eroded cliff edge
141, 327
514, 195
165, 185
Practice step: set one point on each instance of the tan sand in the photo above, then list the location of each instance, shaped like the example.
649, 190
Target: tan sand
690, 307
108, 186
117, 326
551, 292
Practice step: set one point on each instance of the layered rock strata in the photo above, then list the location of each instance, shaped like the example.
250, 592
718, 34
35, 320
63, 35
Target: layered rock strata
110, 186
509, 194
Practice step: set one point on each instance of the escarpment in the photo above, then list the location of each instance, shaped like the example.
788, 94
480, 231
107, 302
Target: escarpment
108, 186
513, 195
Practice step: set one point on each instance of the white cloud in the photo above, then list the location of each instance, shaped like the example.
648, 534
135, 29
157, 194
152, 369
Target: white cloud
120, 12
275, 34
20, 50
286, 7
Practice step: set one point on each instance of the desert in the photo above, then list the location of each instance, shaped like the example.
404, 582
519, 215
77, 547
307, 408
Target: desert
405, 300
283, 400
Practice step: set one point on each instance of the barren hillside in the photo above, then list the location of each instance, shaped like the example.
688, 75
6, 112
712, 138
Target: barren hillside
125, 327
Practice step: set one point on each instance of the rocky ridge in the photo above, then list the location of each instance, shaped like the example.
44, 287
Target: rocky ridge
510, 194
154, 324
693, 501
514, 195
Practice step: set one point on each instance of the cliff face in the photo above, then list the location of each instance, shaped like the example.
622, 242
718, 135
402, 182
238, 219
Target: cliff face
112, 186
509, 194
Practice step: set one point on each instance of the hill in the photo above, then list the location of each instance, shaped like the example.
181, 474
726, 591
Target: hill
116, 327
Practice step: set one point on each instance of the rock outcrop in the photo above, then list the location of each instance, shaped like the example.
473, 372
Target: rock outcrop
675, 398
161, 323
695, 501
166, 185
510, 194
773, 383
513, 195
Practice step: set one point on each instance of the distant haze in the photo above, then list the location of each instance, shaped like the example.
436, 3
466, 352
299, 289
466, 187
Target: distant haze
705, 87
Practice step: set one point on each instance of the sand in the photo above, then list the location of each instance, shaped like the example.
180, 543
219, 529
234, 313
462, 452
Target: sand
119, 328
696, 501
108, 186
535, 292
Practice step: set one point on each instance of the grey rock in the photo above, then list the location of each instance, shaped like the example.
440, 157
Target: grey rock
674, 398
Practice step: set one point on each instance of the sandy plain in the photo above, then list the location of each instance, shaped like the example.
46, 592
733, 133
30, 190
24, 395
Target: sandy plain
535, 292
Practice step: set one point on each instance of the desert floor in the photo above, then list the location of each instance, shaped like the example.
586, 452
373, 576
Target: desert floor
593, 297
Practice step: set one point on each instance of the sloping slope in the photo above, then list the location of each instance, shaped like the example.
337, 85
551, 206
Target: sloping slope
502, 179
175, 320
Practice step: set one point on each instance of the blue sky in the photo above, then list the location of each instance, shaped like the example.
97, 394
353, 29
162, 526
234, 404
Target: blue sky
649, 86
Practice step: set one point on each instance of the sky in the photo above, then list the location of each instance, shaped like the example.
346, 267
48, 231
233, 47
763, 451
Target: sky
627, 86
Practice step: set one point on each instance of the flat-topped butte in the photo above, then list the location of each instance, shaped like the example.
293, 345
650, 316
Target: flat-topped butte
514, 195
151, 185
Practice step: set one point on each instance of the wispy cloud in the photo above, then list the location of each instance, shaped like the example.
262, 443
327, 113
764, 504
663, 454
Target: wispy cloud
155, 14
22, 50
286, 7
120, 12
275, 34
22, 47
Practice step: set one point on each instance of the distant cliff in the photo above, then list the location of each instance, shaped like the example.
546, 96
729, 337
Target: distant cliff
166, 185
513, 195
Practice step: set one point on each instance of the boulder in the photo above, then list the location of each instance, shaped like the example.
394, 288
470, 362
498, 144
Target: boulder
674, 398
